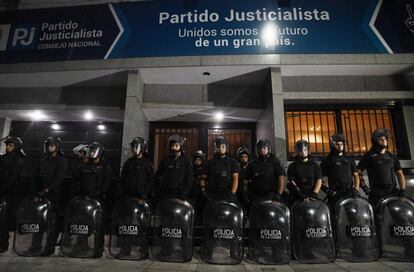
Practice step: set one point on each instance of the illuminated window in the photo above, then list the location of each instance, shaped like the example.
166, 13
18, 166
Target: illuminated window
313, 126
356, 124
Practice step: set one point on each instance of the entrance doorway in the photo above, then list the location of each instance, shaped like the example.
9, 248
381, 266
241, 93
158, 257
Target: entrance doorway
200, 136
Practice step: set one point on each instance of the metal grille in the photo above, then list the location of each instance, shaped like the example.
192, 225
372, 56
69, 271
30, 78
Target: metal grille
358, 124
313, 126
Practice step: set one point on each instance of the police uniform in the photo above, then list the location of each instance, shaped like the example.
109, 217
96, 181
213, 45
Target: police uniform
264, 173
339, 170
51, 173
242, 188
137, 177
196, 195
219, 171
10, 167
381, 170
93, 180
304, 174
174, 177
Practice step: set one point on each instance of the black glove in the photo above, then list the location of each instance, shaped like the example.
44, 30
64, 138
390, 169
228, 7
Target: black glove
330, 192
402, 193
355, 193
366, 190
206, 196
232, 197
277, 197
313, 195
294, 190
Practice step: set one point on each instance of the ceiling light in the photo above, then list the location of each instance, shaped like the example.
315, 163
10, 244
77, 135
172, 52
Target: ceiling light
219, 116
55, 127
37, 115
88, 115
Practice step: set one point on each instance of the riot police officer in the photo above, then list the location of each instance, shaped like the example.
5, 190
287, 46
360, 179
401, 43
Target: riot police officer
266, 174
92, 180
51, 174
11, 164
174, 176
137, 178
304, 175
382, 166
195, 195
174, 179
243, 156
221, 175
343, 180
137, 175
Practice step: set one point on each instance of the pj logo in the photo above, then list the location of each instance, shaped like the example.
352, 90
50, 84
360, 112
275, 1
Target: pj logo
17, 36
22, 36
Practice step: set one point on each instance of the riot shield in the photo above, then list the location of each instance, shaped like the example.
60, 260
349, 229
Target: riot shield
130, 230
34, 228
83, 235
396, 227
269, 239
222, 238
356, 237
173, 231
313, 240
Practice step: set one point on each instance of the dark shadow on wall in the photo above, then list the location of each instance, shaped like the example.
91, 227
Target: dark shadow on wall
244, 91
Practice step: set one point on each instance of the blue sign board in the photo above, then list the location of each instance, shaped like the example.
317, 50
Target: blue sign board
213, 27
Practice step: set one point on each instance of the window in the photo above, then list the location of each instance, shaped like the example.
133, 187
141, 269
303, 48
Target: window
356, 124
313, 126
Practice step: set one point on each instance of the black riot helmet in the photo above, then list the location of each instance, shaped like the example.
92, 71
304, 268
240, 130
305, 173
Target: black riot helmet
300, 145
263, 143
378, 133
199, 154
338, 137
96, 150
14, 140
241, 151
17, 142
52, 140
176, 139
138, 145
219, 141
